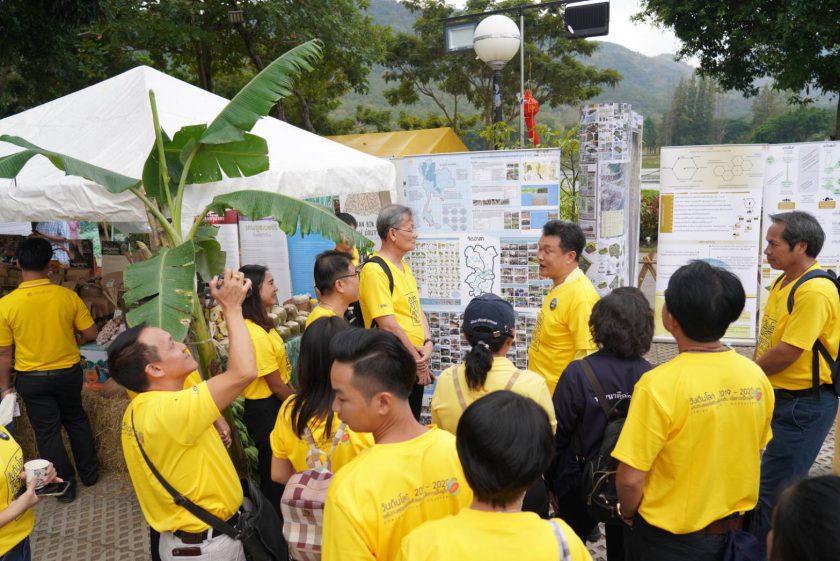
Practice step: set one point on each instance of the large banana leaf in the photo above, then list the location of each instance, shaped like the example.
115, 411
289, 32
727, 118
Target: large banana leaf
289, 214
209, 257
152, 180
11, 165
259, 95
167, 284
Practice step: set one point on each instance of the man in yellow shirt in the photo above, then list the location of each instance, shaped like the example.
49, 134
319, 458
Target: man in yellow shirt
45, 322
394, 304
804, 410
175, 427
412, 473
691, 446
337, 281
561, 333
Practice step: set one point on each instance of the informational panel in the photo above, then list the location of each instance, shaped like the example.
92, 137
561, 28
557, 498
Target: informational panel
262, 242
365, 208
710, 209
227, 236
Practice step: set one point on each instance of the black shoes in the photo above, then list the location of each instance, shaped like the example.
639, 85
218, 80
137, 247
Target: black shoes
70, 495
90, 481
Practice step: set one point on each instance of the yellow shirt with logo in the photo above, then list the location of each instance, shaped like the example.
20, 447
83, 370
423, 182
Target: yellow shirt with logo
389, 490
816, 314
476, 535
286, 445
39, 318
176, 429
562, 328
318, 312
193, 379
447, 410
404, 304
12, 457
270, 354
697, 425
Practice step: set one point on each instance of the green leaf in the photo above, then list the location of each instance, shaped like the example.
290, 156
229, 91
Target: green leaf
11, 165
257, 98
290, 213
209, 257
151, 171
167, 284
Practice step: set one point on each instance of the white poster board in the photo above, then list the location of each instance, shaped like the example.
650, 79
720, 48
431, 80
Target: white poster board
262, 242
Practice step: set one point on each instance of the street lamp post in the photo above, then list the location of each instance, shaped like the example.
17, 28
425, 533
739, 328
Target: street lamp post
496, 40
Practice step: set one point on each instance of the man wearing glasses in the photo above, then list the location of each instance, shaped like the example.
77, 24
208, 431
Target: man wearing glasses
337, 281
393, 304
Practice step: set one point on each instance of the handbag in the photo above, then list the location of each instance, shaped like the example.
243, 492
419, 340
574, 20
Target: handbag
258, 527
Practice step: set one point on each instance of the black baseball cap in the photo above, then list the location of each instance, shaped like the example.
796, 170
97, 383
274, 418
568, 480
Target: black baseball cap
489, 317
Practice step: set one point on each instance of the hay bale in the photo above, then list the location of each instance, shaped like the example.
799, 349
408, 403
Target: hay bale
105, 411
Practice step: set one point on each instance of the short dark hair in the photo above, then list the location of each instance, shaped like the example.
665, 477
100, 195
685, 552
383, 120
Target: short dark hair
253, 308
330, 265
805, 521
505, 443
347, 218
622, 323
380, 361
704, 300
128, 357
570, 234
801, 227
34, 254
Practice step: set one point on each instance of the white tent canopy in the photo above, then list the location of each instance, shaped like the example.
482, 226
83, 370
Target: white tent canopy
110, 125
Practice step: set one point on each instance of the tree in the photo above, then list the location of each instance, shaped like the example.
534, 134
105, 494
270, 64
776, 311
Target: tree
766, 104
417, 65
794, 42
690, 117
650, 138
799, 125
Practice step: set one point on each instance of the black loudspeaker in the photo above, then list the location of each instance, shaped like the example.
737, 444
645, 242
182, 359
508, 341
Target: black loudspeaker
590, 20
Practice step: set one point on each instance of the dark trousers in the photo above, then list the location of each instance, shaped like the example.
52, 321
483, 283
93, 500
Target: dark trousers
53, 401
415, 400
536, 499
649, 543
572, 509
260, 416
21, 552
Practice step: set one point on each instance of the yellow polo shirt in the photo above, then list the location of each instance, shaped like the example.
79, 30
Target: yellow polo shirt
404, 304
39, 318
12, 457
697, 425
192, 380
389, 490
177, 432
816, 314
286, 445
270, 354
562, 327
476, 535
318, 312
447, 410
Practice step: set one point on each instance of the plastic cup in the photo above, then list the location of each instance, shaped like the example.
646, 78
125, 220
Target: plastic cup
37, 470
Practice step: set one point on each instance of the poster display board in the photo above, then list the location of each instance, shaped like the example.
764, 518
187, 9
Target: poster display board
227, 236
365, 208
262, 242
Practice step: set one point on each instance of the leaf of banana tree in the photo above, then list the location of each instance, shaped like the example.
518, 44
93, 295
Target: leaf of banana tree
290, 213
209, 257
11, 165
259, 95
167, 284
151, 171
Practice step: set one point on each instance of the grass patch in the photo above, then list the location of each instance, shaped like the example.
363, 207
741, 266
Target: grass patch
650, 161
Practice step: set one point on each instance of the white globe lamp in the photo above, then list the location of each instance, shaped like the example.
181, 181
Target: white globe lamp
496, 40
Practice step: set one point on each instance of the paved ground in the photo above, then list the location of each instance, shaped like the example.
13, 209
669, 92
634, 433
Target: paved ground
105, 522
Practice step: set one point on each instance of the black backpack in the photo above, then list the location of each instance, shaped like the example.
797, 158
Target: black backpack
353, 315
598, 473
818, 348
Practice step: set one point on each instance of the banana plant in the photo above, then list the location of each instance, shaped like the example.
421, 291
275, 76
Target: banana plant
162, 290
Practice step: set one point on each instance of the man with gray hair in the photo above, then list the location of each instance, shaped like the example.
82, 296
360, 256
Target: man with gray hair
791, 331
389, 298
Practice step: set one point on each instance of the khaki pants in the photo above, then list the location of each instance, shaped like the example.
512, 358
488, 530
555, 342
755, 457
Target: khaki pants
217, 548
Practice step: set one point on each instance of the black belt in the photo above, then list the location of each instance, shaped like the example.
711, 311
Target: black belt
39, 373
194, 538
792, 394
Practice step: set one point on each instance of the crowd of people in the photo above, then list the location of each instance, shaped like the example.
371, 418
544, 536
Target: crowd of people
714, 445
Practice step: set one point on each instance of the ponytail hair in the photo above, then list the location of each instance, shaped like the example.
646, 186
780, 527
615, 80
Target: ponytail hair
479, 359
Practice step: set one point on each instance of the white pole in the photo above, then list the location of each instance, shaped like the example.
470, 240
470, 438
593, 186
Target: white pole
522, 77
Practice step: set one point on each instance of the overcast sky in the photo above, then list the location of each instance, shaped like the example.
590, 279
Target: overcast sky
642, 38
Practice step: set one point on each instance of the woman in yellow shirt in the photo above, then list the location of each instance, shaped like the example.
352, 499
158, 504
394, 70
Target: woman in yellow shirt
265, 395
311, 409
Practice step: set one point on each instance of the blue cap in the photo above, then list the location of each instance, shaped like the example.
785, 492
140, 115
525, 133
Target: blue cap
489, 317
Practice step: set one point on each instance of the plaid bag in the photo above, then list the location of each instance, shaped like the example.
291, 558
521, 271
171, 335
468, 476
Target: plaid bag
303, 501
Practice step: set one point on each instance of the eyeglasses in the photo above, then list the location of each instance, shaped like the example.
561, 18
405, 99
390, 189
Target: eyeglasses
413, 230
356, 273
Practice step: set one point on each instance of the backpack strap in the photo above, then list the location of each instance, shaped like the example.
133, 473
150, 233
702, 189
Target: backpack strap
459, 393
513, 378
381, 262
313, 454
815, 274
339, 434
596, 387
562, 543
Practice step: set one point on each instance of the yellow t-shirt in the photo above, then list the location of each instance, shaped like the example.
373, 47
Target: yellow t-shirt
287, 446
816, 314
476, 535
447, 410
562, 327
355, 258
39, 318
318, 312
192, 380
270, 354
12, 457
404, 304
697, 425
389, 490
177, 432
